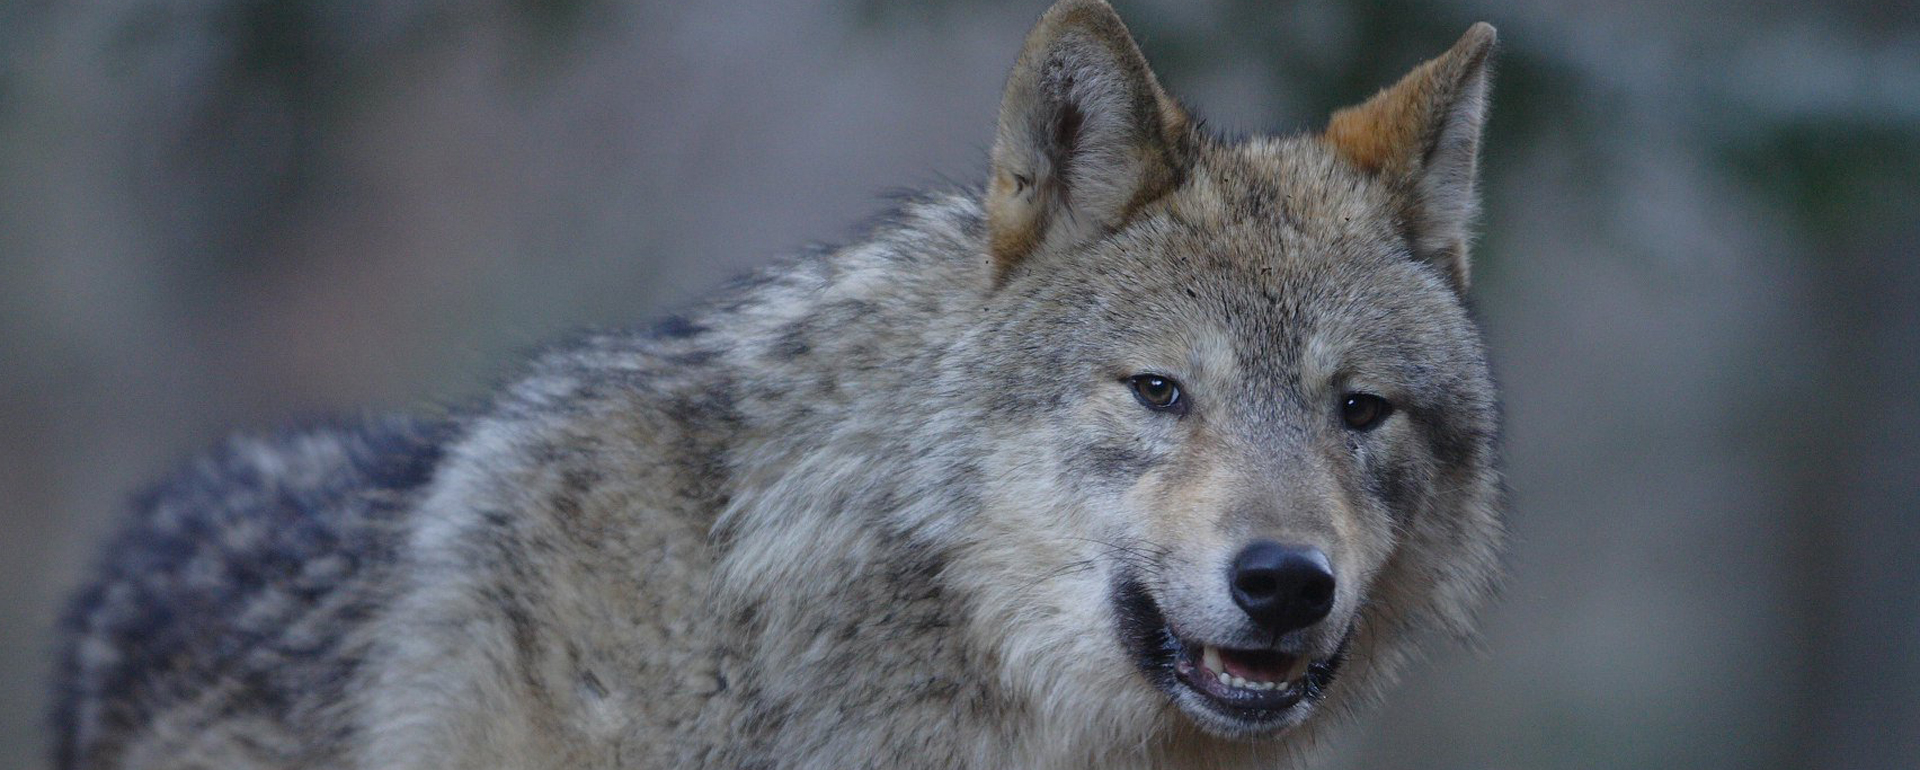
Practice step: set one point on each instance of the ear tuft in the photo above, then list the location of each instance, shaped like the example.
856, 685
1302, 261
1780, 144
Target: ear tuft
1086, 137
1422, 135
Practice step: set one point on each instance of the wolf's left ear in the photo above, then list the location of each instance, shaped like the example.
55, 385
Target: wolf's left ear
1422, 135
1086, 136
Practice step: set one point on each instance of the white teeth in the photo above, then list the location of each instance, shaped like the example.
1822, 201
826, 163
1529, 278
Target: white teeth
1247, 684
1210, 658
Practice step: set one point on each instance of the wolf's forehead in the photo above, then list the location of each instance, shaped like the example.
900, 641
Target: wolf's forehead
1275, 157
1259, 300
1295, 182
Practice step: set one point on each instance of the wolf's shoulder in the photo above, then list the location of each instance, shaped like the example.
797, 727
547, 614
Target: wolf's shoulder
238, 573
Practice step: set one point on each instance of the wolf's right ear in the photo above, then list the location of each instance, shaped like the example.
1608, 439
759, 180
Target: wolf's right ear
1422, 135
1086, 136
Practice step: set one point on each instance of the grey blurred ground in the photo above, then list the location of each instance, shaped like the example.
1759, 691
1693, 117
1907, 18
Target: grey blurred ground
1699, 276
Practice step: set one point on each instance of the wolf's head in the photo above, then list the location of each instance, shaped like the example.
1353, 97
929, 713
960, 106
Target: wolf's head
1245, 435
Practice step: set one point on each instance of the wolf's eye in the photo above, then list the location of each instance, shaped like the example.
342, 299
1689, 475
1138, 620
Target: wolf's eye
1364, 411
1155, 391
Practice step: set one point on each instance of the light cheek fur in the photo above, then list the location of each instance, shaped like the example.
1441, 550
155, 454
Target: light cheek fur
1040, 566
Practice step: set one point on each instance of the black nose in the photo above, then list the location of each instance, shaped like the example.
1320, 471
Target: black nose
1283, 587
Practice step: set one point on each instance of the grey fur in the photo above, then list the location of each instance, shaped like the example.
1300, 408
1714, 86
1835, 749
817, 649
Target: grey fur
872, 508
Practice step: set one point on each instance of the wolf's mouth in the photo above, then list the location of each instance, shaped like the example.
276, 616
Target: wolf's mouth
1262, 680
1239, 692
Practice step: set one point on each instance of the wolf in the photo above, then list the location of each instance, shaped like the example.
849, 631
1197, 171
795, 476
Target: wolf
1160, 449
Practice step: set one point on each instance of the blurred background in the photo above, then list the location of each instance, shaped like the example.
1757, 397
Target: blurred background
1699, 278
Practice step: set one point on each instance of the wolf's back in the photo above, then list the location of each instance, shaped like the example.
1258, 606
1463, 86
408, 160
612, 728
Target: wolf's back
235, 589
